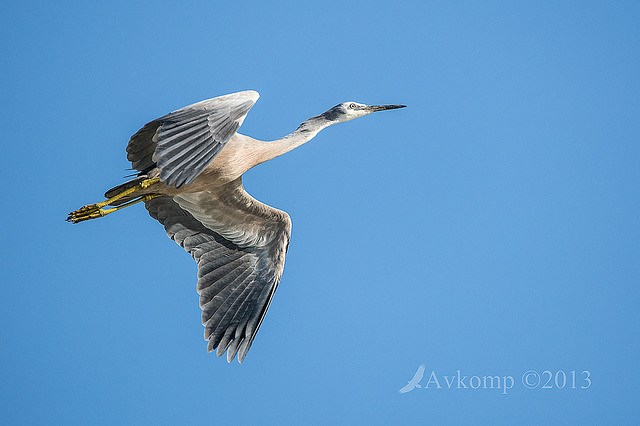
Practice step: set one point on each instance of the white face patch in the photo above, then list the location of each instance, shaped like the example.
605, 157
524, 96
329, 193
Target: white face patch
350, 110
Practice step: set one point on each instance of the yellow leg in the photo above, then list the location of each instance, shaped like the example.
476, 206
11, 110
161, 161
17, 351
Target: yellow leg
93, 211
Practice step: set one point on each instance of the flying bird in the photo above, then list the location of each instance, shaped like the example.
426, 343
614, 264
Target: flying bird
190, 164
414, 382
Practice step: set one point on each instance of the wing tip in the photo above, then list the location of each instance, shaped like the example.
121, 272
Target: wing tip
252, 94
237, 349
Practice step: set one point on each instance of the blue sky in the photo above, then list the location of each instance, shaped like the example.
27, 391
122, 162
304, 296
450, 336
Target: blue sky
491, 228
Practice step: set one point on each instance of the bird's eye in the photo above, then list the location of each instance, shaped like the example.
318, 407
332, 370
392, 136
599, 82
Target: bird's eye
352, 106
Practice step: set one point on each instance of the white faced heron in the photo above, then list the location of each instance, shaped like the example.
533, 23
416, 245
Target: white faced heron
190, 165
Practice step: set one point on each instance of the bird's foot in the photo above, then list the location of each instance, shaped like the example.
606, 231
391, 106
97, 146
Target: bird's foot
94, 211
91, 211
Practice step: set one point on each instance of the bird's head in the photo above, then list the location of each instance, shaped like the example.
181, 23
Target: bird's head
349, 110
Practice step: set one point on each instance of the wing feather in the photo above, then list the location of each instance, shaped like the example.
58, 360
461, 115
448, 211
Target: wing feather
183, 143
218, 320
239, 245
217, 282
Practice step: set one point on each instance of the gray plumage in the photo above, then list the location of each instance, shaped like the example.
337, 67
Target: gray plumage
182, 143
190, 165
237, 277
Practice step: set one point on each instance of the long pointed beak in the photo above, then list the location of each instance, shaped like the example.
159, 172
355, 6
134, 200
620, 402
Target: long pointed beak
374, 108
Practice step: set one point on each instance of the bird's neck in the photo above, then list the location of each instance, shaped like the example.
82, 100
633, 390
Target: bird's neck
304, 133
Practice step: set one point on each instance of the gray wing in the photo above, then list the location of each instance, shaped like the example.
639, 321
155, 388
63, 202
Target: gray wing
182, 143
240, 246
